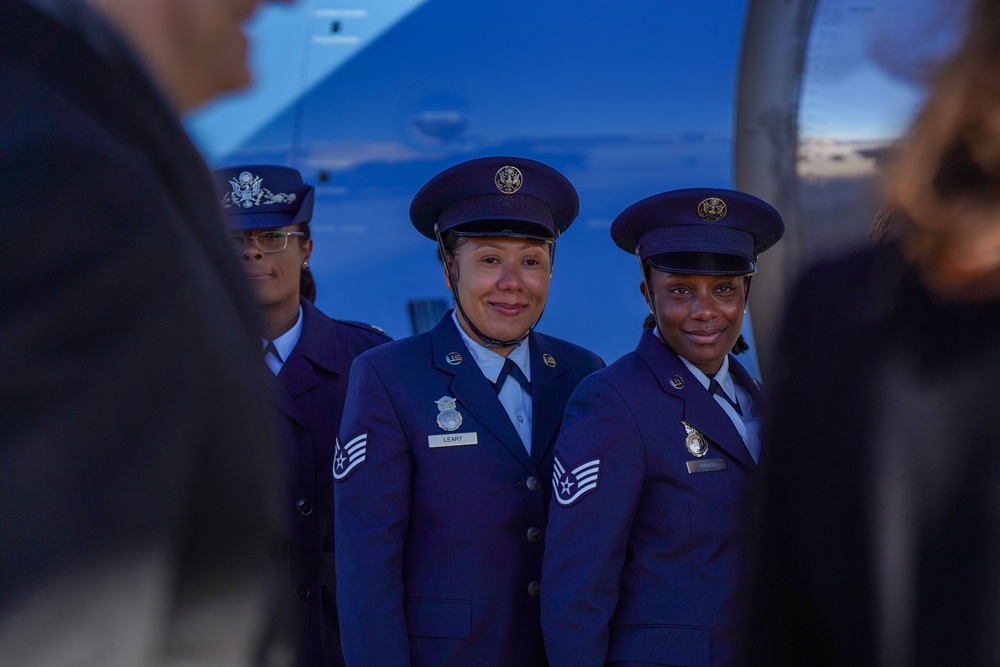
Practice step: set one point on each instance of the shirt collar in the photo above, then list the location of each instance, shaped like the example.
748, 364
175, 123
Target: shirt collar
722, 376
491, 363
286, 342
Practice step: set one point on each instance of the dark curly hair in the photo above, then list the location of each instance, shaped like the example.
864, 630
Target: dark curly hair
307, 284
451, 243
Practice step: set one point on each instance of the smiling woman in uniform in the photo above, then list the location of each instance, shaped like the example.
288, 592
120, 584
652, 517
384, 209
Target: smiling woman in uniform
645, 540
447, 436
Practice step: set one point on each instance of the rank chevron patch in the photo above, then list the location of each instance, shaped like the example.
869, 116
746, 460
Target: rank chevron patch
348, 457
571, 485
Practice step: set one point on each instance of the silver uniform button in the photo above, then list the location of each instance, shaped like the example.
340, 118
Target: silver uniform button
532, 484
534, 534
533, 588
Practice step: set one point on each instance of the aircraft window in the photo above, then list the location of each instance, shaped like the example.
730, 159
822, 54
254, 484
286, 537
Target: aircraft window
862, 80
826, 86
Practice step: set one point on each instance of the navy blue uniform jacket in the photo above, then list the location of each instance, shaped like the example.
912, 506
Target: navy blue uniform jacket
642, 562
309, 394
439, 549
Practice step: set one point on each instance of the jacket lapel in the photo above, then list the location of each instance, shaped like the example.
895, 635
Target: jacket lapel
282, 398
317, 347
748, 382
700, 409
472, 389
547, 390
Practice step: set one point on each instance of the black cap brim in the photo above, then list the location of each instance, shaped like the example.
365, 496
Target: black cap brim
708, 263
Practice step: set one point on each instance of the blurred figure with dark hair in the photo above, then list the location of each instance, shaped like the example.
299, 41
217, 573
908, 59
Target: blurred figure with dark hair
269, 209
880, 535
137, 492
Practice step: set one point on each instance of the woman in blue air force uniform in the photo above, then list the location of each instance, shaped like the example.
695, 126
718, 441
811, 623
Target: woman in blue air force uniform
446, 444
309, 354
645, 541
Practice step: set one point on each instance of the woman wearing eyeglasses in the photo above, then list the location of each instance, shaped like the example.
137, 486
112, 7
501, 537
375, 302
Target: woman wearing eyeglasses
269, 209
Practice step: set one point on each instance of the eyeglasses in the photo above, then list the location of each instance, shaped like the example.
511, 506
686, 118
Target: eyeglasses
270, 241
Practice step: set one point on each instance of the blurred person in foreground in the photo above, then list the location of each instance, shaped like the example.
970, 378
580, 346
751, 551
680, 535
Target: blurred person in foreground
137, 492
446, 443
880, 535
646, 540
269, 209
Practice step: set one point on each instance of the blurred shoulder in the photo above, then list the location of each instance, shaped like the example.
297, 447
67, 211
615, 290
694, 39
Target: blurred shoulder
856, 268
834, 300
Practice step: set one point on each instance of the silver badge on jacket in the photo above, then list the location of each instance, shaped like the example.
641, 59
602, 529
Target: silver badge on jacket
449, 419
695, 441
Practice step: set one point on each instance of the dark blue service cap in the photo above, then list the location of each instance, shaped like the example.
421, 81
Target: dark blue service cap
699, 230
262, 196
496, 196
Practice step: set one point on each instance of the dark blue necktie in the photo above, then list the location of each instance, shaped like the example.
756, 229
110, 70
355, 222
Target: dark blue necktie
715, 388
514, 371
270, 348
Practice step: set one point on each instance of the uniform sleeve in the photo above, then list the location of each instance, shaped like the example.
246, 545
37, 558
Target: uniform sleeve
597, 481
372, 468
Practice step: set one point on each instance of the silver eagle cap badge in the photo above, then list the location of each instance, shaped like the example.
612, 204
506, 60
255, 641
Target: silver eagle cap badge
249, 191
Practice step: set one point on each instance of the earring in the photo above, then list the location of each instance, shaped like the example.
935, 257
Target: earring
305, 265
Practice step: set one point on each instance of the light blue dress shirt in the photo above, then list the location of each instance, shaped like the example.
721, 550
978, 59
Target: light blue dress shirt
284, 344
514, 398
748, 424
